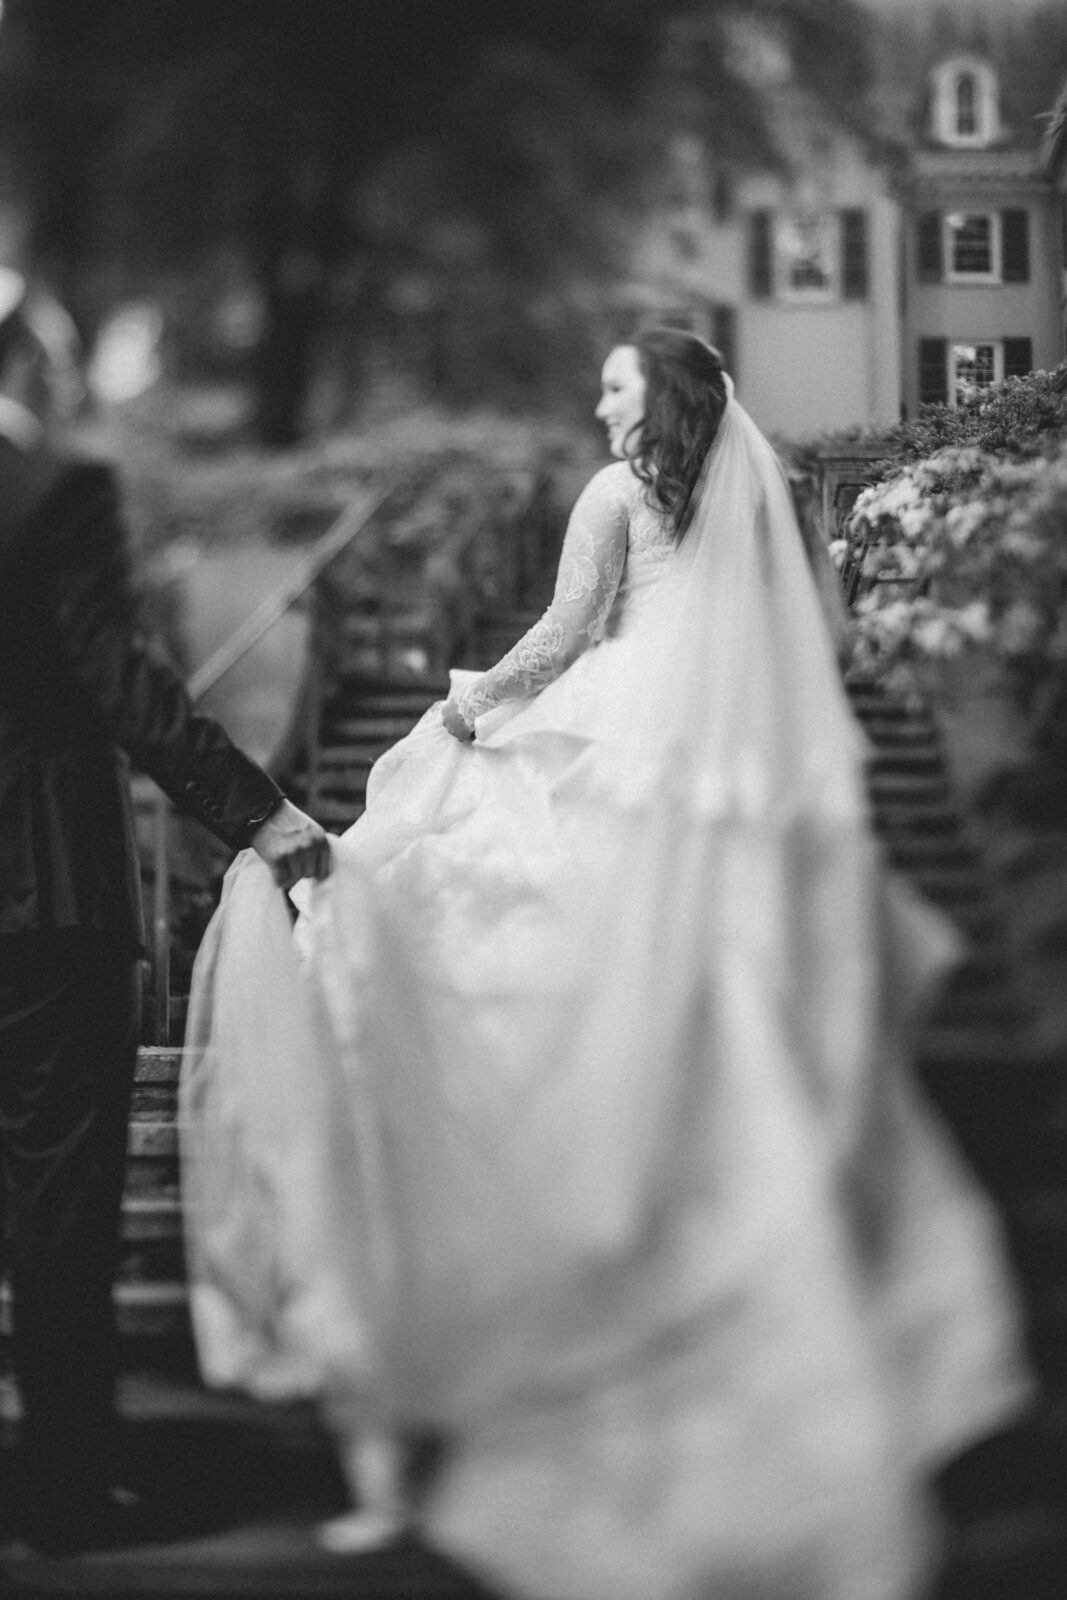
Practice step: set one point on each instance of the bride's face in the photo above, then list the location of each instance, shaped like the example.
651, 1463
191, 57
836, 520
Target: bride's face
622, 398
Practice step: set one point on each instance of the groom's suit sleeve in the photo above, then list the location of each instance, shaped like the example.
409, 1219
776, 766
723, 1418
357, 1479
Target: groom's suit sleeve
126, 686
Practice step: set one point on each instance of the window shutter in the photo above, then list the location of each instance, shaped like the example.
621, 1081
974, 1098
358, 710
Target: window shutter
854, 270
1018, 357
933, 372
760, 263
1015, 246
724, 336
929, 265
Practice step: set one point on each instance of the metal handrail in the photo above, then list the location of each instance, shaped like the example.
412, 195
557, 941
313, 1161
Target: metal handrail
281, 599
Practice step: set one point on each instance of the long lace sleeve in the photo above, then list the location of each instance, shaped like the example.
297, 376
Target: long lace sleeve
590, 567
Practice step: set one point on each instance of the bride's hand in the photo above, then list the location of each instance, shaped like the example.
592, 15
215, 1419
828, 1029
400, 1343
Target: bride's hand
454, 722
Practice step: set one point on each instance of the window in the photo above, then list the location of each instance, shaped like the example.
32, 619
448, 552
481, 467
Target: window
966, 106
1018, 357
972, 245
724, 336
806, 249
854, 255
964, 110
933, 372
930, 254
947, 370
815, 257
1015, 246
760, 265
973, 366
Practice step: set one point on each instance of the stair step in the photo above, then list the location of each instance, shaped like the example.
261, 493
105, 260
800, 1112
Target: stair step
369, 688
159, 1260
920, 816
158, 1064
949, 885
151, 1216
878, 708
337, 814
889, 787
934, 852
140, 1308
925, 761
977, 921
151, 1308
335, 760
364, 746
157, 1098
363, 729
409, 710
394, 653
152, 1180
152, 1136
987, 969
359, 625
995, 1007
891, 733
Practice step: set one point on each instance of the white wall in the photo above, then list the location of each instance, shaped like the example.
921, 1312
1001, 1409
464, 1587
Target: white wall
807, 369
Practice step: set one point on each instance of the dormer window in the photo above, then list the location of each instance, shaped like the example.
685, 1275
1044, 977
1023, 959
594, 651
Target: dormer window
964, 104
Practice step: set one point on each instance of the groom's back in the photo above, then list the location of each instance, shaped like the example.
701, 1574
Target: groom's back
65, 857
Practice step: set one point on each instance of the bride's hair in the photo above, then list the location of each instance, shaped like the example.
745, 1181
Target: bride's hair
685, 397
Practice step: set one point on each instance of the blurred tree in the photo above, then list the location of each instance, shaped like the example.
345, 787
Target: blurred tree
400, 145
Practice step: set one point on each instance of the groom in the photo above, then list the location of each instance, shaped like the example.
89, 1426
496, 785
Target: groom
80, 692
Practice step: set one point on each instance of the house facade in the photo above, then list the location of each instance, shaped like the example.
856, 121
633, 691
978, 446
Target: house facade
854, 282
982, 246
1054, 153
791, 272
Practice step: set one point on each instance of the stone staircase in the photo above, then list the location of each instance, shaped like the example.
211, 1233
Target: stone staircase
362, 718
1006, 1104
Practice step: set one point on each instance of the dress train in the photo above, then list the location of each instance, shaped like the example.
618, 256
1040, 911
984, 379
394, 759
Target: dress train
575, 1125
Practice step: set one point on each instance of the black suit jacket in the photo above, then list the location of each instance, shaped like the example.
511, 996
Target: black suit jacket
82, 694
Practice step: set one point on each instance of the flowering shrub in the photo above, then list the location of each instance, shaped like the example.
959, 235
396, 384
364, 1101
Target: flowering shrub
1012, 418
963, 599
964, 548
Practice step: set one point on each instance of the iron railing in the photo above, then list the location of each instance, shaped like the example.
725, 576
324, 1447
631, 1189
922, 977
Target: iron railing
293, 587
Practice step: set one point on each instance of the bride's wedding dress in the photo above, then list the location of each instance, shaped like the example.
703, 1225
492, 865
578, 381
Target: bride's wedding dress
575, 1124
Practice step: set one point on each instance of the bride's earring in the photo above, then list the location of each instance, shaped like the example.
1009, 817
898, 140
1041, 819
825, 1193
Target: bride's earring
374, 1465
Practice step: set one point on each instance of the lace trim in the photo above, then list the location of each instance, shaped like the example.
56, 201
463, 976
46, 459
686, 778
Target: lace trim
590, 570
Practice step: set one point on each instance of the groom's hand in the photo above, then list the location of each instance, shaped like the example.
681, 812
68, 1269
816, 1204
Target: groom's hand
293, 845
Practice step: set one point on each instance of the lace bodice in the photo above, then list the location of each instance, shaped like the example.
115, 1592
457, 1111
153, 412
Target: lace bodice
614, 550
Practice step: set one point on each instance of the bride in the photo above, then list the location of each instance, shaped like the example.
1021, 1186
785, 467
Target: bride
574, 1125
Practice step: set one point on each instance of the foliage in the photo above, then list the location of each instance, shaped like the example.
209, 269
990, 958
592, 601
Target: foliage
966, 547
1012, 419
465, 164
474, 492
